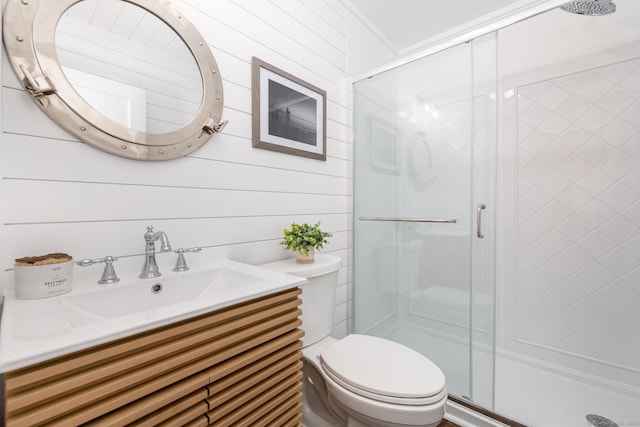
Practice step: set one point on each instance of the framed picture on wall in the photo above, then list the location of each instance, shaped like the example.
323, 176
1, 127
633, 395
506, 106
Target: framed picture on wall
289, 114
383, 140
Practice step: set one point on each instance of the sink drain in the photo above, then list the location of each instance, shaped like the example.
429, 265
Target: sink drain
600, 421
156, 288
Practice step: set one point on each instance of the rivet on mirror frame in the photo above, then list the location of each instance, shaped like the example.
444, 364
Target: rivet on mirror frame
124, 147
189, 144
82, 128
24, 2
160, 152
19, 39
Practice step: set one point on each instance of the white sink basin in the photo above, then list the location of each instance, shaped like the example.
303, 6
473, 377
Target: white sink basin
149, 296
36, 330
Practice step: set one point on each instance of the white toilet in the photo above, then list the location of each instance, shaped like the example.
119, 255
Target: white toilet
358, 380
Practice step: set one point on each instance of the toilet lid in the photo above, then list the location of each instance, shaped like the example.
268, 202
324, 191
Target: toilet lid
382, 369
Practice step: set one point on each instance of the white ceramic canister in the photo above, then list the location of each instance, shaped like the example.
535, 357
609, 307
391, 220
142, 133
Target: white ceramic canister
42, 281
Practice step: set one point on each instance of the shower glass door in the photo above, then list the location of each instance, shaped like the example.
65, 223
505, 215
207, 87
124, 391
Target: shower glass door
423, 206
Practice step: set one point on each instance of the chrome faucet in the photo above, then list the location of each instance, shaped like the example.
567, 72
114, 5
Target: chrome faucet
150, 268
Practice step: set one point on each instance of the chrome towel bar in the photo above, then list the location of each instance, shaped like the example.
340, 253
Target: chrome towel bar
376, 218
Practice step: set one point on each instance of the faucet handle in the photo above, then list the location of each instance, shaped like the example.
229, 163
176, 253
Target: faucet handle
181, 264
149, 233
109, 275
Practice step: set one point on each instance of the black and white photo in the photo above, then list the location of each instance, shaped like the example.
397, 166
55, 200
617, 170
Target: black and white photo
288, 113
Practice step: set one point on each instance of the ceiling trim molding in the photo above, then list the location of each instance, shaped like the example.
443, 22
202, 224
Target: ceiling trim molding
501, 18
371, 26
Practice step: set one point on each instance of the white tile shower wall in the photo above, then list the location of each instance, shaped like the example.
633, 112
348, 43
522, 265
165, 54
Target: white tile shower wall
61, 195
578, 200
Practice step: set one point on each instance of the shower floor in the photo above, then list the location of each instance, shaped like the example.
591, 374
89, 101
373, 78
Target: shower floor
558, 400
526, 392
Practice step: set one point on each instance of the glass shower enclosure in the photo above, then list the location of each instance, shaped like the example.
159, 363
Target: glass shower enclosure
513, 264
424, 213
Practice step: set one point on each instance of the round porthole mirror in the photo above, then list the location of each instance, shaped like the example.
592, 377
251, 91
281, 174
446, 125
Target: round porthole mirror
130, 77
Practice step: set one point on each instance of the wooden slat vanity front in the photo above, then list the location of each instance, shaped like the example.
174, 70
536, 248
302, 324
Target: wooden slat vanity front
240, 365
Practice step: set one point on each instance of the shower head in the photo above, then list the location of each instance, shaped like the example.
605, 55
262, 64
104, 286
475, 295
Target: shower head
590, 7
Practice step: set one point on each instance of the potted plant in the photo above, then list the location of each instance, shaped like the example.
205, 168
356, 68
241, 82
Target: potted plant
304, 240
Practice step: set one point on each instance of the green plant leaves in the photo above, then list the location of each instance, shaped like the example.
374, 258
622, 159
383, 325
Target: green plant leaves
299, 238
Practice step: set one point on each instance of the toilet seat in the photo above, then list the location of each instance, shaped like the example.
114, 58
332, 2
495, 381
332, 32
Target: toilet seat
383, 370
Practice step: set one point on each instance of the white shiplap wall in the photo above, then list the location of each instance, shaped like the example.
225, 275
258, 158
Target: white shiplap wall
61, 195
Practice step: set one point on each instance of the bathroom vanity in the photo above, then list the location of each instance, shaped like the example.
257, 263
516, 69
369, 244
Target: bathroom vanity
236, 362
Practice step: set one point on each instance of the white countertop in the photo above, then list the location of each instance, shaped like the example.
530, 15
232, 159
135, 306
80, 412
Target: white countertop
33, 331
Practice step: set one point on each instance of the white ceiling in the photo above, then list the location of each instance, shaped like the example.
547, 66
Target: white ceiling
404, 23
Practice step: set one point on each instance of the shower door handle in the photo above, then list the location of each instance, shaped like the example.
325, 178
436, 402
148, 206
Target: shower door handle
479, 210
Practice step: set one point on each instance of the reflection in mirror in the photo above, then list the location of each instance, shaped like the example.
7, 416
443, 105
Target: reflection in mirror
421, 170
129, 65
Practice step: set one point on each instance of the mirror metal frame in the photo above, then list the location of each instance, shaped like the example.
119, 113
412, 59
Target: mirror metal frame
29, 38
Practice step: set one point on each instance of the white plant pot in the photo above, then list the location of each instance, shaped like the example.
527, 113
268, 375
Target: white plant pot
306, 259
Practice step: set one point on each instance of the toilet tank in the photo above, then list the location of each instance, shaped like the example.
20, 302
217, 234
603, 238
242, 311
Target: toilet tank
318, 295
